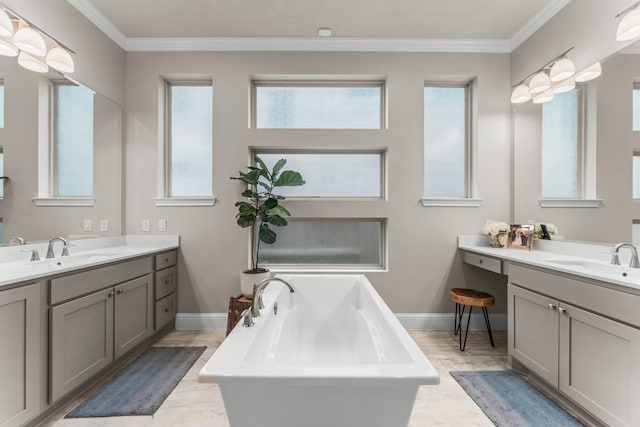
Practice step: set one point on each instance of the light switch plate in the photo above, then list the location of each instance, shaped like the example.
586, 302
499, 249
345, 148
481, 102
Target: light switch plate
86, 225
162, 225
104, 225
146, 225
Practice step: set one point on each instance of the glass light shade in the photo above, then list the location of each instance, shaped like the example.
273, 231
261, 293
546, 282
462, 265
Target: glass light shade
589, 73
520, 94
564, 86
30, 41
6, 26
32, 63
60, 59
629, 26
7, 48
562, 70
543, 97
539, 83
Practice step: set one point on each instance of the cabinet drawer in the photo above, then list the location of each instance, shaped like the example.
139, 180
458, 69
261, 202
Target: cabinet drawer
488, 263
165, 310
166, 282
75, 285
166, 259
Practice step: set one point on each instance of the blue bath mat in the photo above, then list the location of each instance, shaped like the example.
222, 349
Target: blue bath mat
509, 401
141, 387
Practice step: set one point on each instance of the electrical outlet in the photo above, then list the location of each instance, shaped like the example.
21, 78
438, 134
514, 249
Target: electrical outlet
104, 225
146, 225
162, 225
86, 225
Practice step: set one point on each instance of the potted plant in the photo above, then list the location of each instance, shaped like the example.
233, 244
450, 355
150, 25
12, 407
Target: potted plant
260, 211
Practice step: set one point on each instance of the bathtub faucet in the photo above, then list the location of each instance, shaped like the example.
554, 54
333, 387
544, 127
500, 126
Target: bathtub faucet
258, 290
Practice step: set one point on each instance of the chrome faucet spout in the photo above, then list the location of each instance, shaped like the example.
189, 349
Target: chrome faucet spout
634, 263
19, 240
258, 290
65, 247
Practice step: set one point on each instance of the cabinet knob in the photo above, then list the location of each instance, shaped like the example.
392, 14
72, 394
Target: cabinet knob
110, 294
562, 309
552, 306
120, 291
166, 310
166, 282
479, 261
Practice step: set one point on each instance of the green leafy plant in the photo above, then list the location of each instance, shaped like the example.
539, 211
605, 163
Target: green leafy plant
262, 208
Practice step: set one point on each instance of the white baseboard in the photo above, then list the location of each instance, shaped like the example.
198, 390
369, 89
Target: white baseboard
435, 321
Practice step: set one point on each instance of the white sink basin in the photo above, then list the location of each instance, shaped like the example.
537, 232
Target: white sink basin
595, 267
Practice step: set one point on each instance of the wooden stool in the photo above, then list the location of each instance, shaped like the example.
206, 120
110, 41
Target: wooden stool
236, 306
471, 298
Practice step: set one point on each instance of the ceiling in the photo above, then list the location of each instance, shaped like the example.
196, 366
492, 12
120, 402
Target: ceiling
470, 20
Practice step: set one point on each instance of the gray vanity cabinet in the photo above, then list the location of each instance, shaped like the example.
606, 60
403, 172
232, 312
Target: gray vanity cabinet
133, 320
81, 340
21, 333
589, 353
533, 332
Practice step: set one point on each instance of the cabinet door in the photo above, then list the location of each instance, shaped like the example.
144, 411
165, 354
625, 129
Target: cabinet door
133, 313
599, 365
533, 332
81, 340
20, 337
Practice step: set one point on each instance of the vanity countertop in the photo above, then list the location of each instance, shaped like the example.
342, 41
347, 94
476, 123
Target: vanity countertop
589, 260
87, 253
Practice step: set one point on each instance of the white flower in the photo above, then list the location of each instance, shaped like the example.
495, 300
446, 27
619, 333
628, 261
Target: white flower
496, 228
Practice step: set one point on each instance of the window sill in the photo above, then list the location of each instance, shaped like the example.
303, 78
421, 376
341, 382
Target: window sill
451, 202
570, 203
184, 201
64, 201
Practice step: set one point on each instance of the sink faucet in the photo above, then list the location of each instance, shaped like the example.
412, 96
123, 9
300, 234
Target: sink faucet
19, 240
259, 290
65, 248
615, 260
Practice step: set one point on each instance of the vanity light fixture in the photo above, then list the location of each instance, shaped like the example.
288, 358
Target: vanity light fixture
557, 76
36, 50
629, 26
589, 73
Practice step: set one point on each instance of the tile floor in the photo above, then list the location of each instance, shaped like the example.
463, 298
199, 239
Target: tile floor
192, 404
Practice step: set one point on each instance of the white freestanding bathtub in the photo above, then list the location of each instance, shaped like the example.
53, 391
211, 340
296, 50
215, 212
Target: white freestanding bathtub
334, 355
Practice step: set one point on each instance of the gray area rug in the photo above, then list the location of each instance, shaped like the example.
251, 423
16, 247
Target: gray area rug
510, 401
141, 387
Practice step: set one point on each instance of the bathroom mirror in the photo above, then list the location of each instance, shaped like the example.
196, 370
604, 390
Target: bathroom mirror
606, 143
30, 124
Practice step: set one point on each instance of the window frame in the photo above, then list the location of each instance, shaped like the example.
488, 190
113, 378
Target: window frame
165, 198
302, 83
3, 121
469, 199
382, 152
636, 86
340, 268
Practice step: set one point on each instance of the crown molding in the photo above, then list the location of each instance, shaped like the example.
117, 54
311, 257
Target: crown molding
100, 21
284, 44
271, 44
536, 22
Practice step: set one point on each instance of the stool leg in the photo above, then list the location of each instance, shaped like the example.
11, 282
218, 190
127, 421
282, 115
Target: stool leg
486, 320
463, 346
459, 313
455, 320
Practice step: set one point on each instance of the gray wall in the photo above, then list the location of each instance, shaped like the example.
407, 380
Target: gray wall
422, 260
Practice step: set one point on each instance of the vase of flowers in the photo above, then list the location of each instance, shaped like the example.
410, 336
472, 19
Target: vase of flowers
497, 232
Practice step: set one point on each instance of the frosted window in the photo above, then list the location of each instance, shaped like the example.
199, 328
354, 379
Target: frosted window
318, 107
1, 104
445, 141
191, 137
636, 176
560, 146
636, 109
326, 243
74, 141
331, 174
